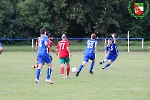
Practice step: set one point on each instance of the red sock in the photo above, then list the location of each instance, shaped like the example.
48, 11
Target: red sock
68, 70
61, 70
35, 66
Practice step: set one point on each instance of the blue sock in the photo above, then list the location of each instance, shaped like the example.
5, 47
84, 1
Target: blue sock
38, 73
106, 65
92, 65
80, 68
49, 71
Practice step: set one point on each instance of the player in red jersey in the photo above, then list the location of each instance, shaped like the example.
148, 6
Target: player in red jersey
64, 55
50, 45
36, 43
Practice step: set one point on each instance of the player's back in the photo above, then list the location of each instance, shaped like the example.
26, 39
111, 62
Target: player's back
90, 46
41, 44
113, 49
62, 48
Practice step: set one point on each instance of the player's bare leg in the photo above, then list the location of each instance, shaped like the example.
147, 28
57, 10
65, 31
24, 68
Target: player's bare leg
108, 64
68, 70
62, 70
36, 65
103, 61
1, 49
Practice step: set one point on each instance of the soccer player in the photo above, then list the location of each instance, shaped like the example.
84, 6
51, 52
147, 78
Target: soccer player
50, 45
1, 48
43, 56
64, 55
111, 52
49, 48
89, 54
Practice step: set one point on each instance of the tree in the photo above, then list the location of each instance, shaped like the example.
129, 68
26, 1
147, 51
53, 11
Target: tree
10, 20
76, 18
34, 15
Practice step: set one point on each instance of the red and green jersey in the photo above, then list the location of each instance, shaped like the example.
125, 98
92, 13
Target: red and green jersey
62, 48
36, 42
50, 44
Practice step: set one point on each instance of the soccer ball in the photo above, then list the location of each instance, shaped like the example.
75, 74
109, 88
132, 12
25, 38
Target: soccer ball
74, 69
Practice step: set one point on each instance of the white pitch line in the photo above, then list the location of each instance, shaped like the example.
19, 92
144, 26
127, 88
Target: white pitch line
21, 68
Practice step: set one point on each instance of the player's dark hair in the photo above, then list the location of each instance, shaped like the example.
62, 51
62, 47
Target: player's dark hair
93, 36
110, 39
50, 35
42, 31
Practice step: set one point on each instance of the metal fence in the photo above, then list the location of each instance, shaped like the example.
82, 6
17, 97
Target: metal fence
76, 41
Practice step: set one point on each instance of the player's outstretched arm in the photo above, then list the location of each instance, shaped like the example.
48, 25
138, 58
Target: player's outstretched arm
68, 48
57, 49
113, 36
54, 51
95, 47
1, 49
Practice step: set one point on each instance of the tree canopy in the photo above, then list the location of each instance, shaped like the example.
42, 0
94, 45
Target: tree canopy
76, 18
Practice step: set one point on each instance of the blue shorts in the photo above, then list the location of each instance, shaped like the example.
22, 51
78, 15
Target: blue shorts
43, 57
88, 56
111, 57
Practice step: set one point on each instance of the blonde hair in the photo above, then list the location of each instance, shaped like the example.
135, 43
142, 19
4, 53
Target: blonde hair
63, 36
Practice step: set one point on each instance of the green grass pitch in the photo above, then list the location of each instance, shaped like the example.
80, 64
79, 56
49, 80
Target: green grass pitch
128, 78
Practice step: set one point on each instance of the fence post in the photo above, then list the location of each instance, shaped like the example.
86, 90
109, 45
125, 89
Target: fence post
32, 43
105, 43
128, 42
142, 43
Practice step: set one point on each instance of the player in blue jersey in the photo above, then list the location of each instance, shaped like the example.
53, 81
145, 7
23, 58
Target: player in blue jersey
43, 56
111, 52
1, 48
89, 54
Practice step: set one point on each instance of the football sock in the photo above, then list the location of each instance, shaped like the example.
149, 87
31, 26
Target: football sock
68, 70
38, 73
106, 65
102, 61
92, 65
61, 70
36, 66
80, 68
49, 71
